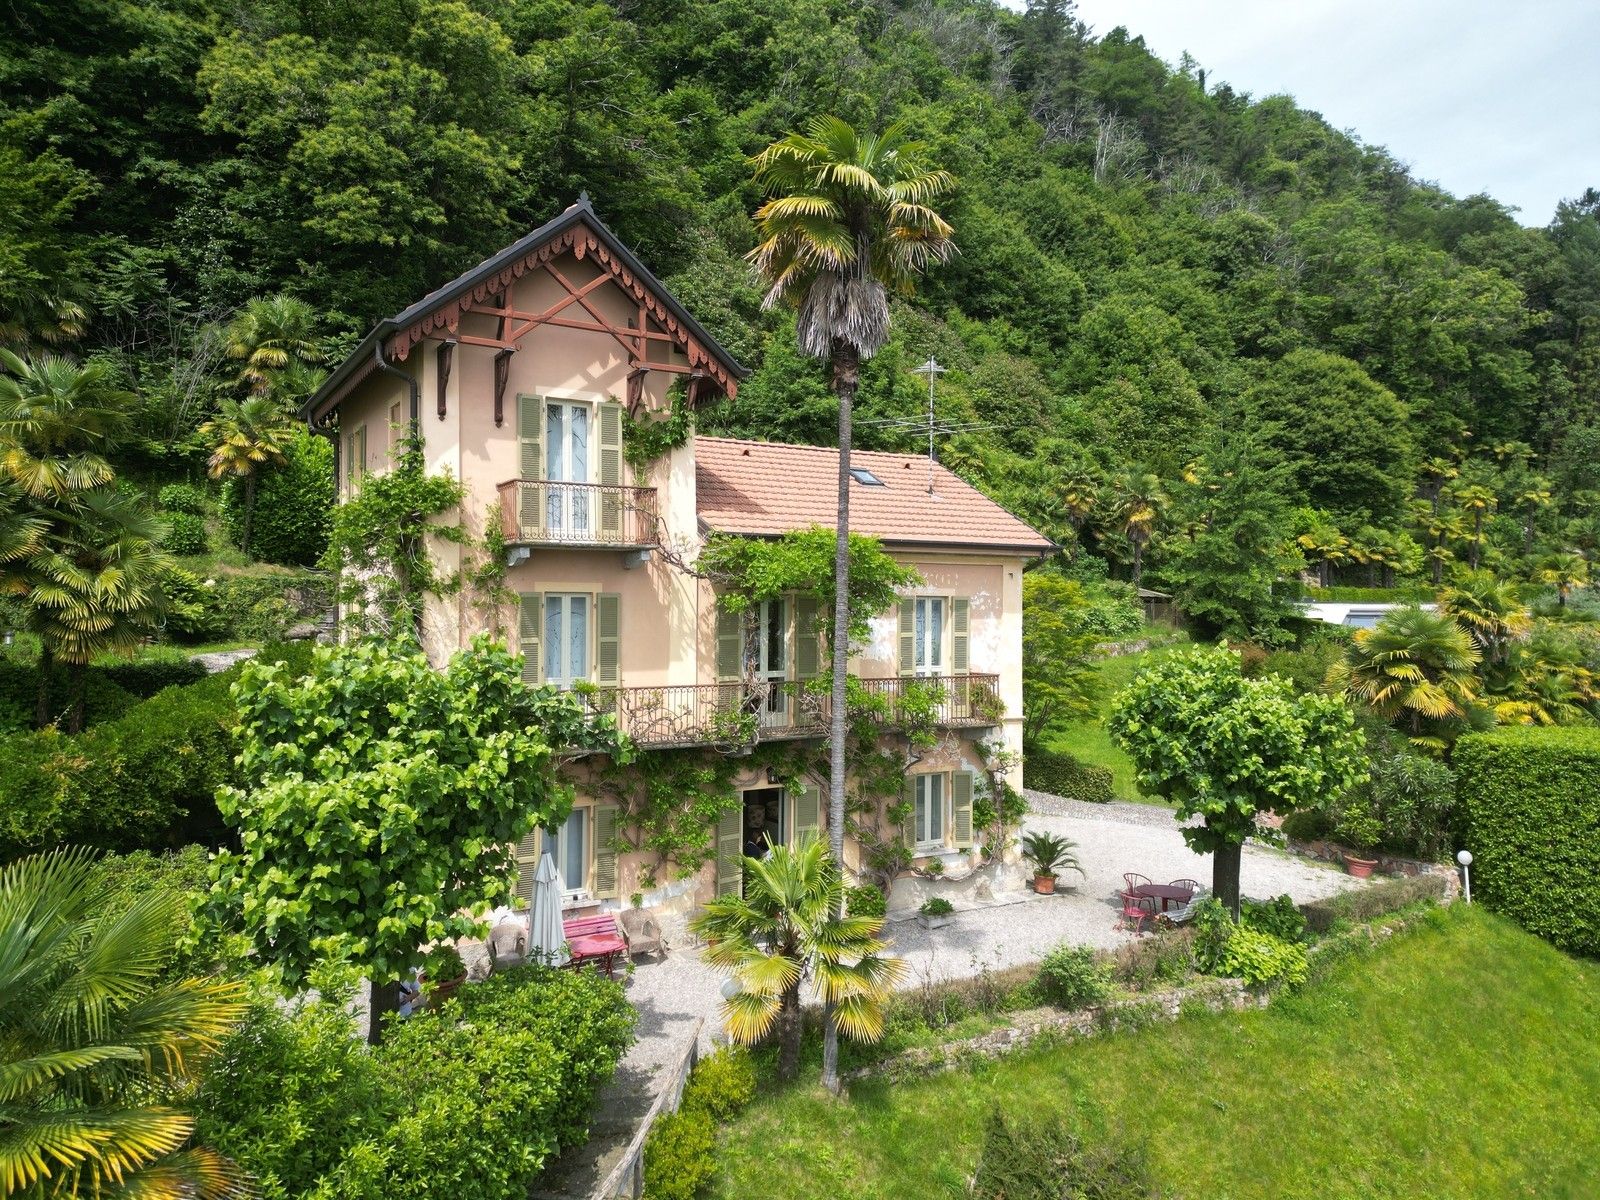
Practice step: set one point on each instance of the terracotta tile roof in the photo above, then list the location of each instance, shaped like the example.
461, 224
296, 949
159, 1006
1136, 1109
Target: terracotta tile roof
767, 488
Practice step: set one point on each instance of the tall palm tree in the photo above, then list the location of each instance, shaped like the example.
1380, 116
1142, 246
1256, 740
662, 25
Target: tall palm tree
1080, 493
1534, 497
275, 340
1565, 572
786, 929
1137, 503
850, 219
1477, 502
248, 435
95, 1040
1413, 669
1324, 545
1491, 612
57, 421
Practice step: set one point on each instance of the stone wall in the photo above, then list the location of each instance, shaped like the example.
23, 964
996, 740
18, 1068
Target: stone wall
1388, 864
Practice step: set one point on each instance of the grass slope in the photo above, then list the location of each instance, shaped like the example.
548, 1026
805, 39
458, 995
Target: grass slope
1459, 1060
1089, 741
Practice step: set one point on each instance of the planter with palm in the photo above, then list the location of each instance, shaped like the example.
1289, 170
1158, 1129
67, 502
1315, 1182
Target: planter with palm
95, 1038
1050, 855
787, 930
849, 220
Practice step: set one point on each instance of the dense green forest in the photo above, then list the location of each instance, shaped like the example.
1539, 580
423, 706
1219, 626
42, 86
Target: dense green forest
1205, 337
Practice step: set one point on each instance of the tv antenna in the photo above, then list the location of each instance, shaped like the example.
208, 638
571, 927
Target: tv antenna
929, 423
932, 370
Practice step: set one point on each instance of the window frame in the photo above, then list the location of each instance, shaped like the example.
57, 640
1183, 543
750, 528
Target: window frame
565, 600
920, 809
585, 812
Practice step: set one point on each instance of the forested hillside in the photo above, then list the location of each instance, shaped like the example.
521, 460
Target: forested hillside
1194, 323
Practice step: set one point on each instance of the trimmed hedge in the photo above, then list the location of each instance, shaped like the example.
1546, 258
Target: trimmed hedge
146, 780
294, 505
1376, 900
112, 689
1061, 774
1529, 804
471, 1101
186, 534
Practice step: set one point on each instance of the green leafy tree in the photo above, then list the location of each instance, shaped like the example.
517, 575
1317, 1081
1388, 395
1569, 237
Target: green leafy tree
1416, 670
1226, 749
381, 802
1059, 679
786, 929
247, 435
98, 1038
850, 219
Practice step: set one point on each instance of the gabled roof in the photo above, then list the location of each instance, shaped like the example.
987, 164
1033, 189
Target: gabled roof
765, 489
578, 229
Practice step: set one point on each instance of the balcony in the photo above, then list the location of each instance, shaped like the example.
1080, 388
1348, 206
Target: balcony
723, 714
536, 512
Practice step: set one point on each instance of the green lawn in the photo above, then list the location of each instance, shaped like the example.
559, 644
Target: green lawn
1089, 741
1459, 1060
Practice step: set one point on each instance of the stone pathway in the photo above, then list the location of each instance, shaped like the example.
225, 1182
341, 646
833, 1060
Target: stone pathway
220, 660
672, 992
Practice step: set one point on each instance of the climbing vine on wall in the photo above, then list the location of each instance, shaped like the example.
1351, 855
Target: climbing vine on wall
646, 438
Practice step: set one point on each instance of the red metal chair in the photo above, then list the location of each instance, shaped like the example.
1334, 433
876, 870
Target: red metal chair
1137, 909
1192, 884
1134, 880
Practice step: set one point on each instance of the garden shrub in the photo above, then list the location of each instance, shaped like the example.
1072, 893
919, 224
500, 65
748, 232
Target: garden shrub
264, 607
1042, 1159
186, 533
1113, 612
1278, 916
104, 699
1060, 774
867, 900
680, 1153
723, 1082
182, 498
1166, 957
1074, 977
1375, 900
305, 1106
1530, 808
1241, 952
147, 779
294, 505
1307, 825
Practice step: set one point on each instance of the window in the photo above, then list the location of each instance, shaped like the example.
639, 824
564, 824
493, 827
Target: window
569, 845
566, 460
772, 664
862, 475
566, 639
355, 457
927, 815
928, 627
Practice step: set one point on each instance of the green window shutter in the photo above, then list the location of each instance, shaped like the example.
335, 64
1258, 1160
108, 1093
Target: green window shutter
530, 625
528, 851
608, 639
730, 645
361, 451
610, 420
730, 851
961, 809
908, 831
807, 641
806, 804
908, 636
958, 636
530, 468
605, 854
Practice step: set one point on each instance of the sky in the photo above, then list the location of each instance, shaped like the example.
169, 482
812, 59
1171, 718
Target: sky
1474, 96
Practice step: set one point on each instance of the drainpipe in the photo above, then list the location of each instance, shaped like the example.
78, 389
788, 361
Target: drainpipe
412, 385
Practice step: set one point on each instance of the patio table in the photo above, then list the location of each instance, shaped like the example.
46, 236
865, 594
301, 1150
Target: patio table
1164, 892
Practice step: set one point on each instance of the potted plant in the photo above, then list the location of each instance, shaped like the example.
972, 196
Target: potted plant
1050, 855
1360, 829
936, 912
443, 973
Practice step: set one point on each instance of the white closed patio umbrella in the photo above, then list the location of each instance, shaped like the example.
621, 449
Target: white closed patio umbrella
546, 942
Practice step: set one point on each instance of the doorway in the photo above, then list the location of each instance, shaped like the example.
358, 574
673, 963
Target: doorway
764, 820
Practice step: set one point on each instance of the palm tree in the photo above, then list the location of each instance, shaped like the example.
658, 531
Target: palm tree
1137, 502
248, 435
1477, 501
94, 1039
786, 929
57, 420
1080, 492
850, 219
275, 338
1564, 571
1533, 499
1413, 669
1324, 545
1547, 682
1490, 610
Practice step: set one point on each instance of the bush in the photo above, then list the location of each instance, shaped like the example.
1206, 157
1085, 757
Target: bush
1307, 825
679, 1155
294, 505
104, 698
196, 612
866, 901
1061, 774
1042, 1159
1167, 957
182, 498
265, 607
1240, 952
722, 1083
1375, 900
310, 1111
1074, 977
1113, 612
147, 779
936, 906
1277, 916
1530, 804
186, 534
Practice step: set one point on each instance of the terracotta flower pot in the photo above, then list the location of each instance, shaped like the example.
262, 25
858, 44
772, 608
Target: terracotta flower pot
439, 992
1044, 885
1359, 868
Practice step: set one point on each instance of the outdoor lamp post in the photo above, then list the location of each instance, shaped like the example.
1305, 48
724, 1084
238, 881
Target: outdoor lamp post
1465, 859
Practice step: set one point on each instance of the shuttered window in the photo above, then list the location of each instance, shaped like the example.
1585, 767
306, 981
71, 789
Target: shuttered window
730, 852
608, 639
528, 851
609, 418
959, 656
807, 809
961, 785
605, 885
807, 638
928, 810
730, 646
530, 463
530, 626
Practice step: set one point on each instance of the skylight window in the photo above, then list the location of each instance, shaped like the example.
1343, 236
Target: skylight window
862, 475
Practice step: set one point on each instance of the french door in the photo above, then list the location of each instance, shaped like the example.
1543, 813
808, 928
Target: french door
928, 631
772, 662
566, 639
567, 461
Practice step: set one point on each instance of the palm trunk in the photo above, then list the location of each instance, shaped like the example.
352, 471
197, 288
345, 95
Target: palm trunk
80, 697
846, 371
41, 704
789, 1035
1138, 562
249, 512
1225, 865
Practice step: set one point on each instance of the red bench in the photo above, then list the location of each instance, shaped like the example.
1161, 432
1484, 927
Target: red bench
593, 939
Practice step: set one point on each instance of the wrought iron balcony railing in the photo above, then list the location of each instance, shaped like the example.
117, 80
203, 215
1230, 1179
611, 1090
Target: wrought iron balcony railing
550, 513
740, 713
